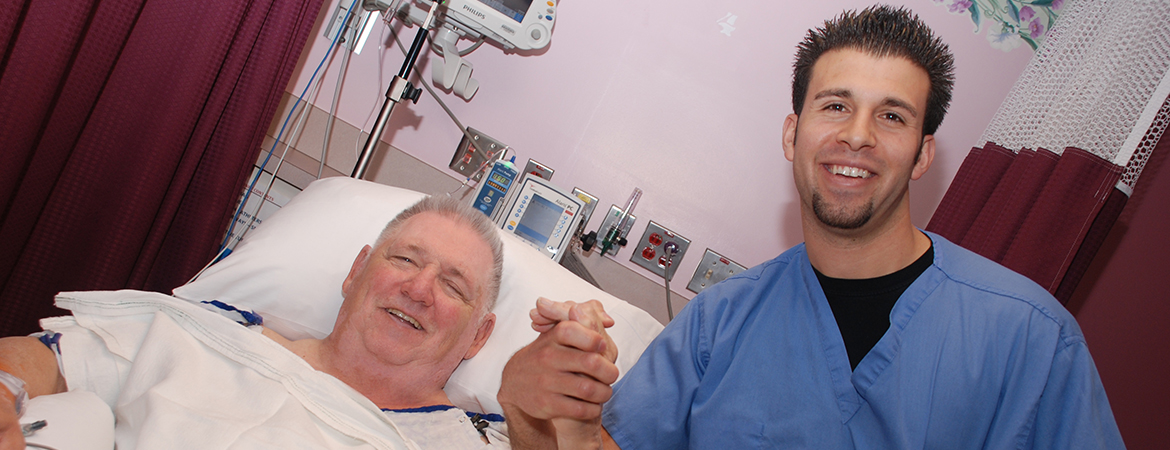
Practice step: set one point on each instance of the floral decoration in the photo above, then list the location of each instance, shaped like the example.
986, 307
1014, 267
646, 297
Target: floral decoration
1009, 22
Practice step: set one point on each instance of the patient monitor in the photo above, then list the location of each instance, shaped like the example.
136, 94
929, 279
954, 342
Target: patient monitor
522, 24
518, 24
542, 215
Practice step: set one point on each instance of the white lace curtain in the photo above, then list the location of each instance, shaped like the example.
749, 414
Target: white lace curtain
1063, 153
1099, 83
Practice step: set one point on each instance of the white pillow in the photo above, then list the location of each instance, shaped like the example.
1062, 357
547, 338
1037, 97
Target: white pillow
290, 269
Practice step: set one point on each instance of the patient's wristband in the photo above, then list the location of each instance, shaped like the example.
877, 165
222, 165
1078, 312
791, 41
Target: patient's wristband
16, 387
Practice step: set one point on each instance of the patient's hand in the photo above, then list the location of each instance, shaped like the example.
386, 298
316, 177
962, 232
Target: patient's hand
591, 314
565, 374
574, 433
10, 436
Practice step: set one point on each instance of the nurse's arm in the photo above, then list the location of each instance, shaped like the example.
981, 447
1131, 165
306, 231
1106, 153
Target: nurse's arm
553, 389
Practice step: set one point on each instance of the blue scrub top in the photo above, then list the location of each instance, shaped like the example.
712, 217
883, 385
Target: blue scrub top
976, 356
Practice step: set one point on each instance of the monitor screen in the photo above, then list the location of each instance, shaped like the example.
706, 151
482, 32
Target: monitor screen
539, 220
499, 182
514, 9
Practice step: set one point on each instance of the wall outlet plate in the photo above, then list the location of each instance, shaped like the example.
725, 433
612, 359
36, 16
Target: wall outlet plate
536, 168
651, 250
357, 22
712, 269
590, 205
611, 220
468, 157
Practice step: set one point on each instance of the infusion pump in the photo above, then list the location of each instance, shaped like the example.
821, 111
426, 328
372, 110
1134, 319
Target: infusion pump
521, 24
542, 215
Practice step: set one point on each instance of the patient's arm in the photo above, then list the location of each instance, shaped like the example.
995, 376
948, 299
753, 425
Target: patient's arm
28, 359
553, 389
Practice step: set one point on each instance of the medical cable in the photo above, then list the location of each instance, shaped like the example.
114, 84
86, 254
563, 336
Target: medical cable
333, 109
487, 162
438, 99
432, 91
467, 51
671, 250
30, 429
482, 167
337, 96
313, 80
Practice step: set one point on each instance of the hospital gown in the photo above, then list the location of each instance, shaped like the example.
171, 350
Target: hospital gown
441, 428
976, 356
179, 376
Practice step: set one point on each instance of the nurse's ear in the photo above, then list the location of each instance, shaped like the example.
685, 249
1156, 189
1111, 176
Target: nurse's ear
925, 157
789, 141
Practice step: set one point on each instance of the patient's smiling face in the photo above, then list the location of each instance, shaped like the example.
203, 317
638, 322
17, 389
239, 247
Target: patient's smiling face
418, 299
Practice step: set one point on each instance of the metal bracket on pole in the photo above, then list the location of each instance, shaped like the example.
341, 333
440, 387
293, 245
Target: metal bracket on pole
398, 90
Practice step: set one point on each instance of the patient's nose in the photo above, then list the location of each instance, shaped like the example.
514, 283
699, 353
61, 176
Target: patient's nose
420, 286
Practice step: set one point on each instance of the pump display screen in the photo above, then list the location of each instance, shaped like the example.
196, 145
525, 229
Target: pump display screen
514, 9
499, 181
540, 218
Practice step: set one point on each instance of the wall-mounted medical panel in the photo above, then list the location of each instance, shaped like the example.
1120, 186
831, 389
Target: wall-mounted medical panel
660, 250
471, 153
712, 269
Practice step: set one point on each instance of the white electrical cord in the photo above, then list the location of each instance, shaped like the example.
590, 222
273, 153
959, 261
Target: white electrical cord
333, 109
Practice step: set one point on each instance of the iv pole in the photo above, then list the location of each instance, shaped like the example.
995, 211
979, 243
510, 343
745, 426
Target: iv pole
399, 89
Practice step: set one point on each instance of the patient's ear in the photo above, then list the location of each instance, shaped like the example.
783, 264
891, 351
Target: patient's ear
481, 335
358, 263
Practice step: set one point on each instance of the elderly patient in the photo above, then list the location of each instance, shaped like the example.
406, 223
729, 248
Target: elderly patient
416, 304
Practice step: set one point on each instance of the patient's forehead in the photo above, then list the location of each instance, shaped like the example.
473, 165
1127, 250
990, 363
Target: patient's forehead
450, 242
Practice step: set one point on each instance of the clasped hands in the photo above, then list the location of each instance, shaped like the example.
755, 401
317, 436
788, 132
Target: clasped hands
553, 389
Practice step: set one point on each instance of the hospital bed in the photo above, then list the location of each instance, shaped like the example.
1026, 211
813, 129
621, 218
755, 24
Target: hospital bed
289, 270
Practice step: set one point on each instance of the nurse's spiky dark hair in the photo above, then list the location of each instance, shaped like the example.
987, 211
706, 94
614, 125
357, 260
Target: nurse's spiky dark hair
881, 30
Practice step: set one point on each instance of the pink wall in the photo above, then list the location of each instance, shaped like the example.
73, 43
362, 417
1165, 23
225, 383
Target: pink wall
632, 94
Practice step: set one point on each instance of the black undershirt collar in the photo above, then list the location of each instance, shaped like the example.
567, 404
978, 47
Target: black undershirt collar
862, 307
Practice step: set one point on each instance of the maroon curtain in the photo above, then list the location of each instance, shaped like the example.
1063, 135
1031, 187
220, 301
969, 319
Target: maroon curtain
128, 128
1038, 213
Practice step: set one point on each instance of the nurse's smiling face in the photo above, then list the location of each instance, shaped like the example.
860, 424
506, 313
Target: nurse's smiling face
858, 141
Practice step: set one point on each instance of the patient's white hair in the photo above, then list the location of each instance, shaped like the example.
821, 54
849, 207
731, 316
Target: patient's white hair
458, 211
